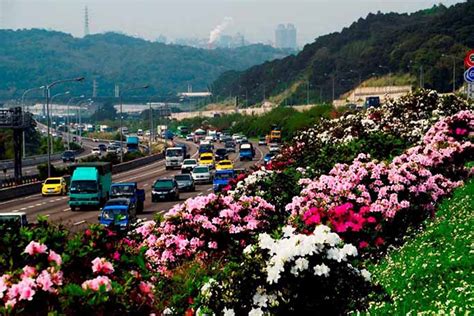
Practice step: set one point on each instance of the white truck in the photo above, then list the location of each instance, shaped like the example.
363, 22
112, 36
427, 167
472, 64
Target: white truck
174, 157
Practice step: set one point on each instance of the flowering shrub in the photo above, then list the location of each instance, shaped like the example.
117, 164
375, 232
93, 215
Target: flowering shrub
295, 274
202, 226
357, 199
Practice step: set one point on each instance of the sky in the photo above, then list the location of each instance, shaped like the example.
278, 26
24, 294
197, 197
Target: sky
255, 19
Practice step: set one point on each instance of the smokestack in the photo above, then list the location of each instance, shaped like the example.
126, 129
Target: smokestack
217, 31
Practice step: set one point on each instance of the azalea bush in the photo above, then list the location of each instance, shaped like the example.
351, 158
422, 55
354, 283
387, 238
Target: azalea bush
293, 274
368, 201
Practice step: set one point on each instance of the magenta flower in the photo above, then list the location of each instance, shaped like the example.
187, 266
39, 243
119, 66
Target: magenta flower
101, 265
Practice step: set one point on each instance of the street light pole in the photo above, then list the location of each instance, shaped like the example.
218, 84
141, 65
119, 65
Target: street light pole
23, 107
68, 121
48, 89
50, 111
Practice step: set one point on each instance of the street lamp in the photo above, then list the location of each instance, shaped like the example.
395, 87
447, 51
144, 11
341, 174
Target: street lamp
23, 106
454, 69
48, 91
68, 121
50, 113
121, 93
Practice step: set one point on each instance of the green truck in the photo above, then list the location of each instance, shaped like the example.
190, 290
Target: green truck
90, 185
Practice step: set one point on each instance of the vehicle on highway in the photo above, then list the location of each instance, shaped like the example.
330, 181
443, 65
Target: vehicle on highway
13, 220
262, 141
174, 157
118, 214
188, 165
190, 137
199, 134
182, 131
275, 135
140, 132
224, 165
206, 148
201, 174
95, 140
238, 140
102, 147
185, 182
90, 185
274, 148
133, 143
372, 102
96, 151
230, 146
119, 149
185, 149
246, 152
221, 154
54, 186
210, 138
112, 149
69, 156
221, 179
206, 159
268, 157
131, 191
235, 136
165, 189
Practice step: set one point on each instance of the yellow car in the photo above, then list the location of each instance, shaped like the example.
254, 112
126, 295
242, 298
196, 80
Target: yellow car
54, 186
207, 159
224, 165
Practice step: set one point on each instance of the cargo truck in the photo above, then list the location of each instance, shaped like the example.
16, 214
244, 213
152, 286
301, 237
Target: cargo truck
130, 191
90, 185
174, 157
246, 152
132, 144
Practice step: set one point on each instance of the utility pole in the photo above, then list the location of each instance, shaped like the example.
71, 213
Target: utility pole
307, 92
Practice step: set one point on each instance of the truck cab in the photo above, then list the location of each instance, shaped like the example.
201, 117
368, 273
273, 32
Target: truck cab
133, 144
174, 157
246, 152
130, 191
221, 179
90, 185
118, 214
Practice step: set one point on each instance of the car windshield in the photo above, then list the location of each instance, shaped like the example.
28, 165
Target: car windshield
163, 184
174, 152
117, 202
221, 151
190, 162
182, 177
122, 190
201, 170
206, 158
225, 163
52, 181
229, 145
223, 176
115, 214
68, 154
86, 186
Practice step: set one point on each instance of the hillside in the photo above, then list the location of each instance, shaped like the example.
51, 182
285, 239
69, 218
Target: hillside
30, 58
374, 46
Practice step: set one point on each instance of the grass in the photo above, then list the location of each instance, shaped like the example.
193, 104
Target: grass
433, 272
390, 80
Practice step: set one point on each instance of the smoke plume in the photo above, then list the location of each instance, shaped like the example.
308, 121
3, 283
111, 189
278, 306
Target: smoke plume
216, 32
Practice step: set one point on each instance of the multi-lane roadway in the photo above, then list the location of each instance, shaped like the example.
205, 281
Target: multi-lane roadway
57, 210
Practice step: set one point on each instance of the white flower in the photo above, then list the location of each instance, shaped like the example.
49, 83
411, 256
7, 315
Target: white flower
349, 250
335, 254
168, 311
228, 312
248, 250
288, 231
256, 312
260, 299
366, 274
321, 269
206, 288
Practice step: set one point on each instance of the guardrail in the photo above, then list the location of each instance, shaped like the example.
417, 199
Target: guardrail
34, 160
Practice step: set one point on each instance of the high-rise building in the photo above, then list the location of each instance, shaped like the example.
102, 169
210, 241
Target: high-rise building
285, 36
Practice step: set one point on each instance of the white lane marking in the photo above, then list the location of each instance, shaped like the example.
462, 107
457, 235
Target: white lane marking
52, 201
31, 206
66, 209
209, 189
200, 193
146, 184
79, 223
48, 215
38, 204
23, 208
15, 211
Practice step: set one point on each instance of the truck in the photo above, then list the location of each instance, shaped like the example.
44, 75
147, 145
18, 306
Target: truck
221, 179
174, 157
90, 185
185, 150
199, 134
133, 144
182, 131
372, 102
246, 151
130, 191
118, 214
274, 136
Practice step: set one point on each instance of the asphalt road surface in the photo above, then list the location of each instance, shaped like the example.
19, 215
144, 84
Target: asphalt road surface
57, 209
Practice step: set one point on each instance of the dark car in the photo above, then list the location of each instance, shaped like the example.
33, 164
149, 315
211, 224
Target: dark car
221, 154
102, 147
230, 146
268, 157
68, 155
165, 189
185, 182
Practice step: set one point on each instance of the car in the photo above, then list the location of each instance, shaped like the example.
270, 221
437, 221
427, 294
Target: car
96, 151
165, 189
95, 140
201, 174
275, 148
112, 149
221, 154
188, 165
238, 140
54, 186
69, 155
102, 147
262, 141
185, 182
189, 137
13, 220
230, 146
118, 214
268, 157
221, 179
206, 159
224, 165
118, 150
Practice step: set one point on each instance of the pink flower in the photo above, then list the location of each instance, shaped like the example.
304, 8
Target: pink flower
26, 289
212, 245
54, 257
116, 256
363, 244
101, 265
34, 248
10, 303
28, 272
97, 283
44, 282
3, 284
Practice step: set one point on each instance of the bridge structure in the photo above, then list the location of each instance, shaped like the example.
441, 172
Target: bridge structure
18, 121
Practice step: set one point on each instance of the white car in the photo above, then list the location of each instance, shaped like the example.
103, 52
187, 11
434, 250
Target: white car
201, 174
95, 140
238, 140
190, 138
274, 148
209, 138
96, 151
188, 165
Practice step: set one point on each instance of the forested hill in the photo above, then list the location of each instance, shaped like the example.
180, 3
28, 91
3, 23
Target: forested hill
376, 45
31, 58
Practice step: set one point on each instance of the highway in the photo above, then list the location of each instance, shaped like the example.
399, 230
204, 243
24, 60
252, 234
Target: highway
57, 210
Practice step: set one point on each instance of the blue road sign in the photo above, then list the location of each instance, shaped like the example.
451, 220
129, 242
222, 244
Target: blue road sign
469, 75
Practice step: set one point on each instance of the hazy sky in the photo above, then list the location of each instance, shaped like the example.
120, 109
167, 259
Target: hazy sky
256, 19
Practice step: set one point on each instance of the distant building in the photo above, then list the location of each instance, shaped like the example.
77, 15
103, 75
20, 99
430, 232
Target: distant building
285, 36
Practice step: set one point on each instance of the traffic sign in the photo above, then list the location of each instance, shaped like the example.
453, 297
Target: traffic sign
469, 60
469, 75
